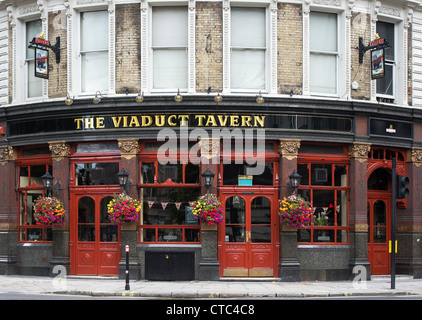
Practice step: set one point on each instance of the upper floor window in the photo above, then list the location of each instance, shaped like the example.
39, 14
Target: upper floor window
169, 47
94, 51
323, 44
385, 86
33, 84
248, 49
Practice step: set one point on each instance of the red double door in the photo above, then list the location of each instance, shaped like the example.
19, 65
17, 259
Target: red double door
248, 238
94, 242
379, 232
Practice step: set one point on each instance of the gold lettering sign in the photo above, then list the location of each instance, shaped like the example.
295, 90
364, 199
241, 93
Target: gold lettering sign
169, 120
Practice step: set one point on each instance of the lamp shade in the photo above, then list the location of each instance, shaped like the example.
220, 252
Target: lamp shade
123, 176
47, 180
208, 178
295, 179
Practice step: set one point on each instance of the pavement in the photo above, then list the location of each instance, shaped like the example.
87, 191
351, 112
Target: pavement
240, 289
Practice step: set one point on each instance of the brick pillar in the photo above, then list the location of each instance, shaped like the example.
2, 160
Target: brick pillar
358, 212
129, 150
289, 266
8, 211
409, 220
209, 267
60, 152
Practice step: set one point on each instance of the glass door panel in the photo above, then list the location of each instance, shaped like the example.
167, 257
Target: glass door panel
108, 232
235, 219
86, 219
261, 220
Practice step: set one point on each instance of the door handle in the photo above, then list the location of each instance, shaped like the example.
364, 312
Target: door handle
248, 236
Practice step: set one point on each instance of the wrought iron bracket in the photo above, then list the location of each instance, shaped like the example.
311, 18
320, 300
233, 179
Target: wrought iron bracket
40, 45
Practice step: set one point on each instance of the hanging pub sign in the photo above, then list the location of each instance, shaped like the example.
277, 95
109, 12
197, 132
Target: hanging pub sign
41, 63
377, 64
377, 47
41, 47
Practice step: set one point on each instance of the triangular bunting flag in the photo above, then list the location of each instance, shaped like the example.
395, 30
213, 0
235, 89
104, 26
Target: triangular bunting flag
178, 205
150, 203
164, 205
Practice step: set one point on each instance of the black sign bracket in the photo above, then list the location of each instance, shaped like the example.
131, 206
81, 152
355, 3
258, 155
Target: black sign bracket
362, 48
43, 45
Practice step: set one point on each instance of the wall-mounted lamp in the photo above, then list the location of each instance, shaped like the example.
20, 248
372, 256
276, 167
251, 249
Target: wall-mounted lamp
140, 97
260, 99
294, 181
123, 179
47, 182
218, 98
97, 97
208, 178
178, 97
68, 101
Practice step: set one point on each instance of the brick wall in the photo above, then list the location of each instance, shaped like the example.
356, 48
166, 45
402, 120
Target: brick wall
209, 46
289, 47
57, 82
128, 48
360, 26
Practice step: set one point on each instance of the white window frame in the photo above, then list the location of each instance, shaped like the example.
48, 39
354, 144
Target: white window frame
146, 53
151, 52
77, 76
337, 54
227, 48
26, 63
391, 63
265, 49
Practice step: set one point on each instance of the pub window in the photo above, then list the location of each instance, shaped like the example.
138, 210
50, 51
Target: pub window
34, 85
96, 173
30, 187
385, 86
248, 48
166, 191
94, 51
170, 47
323, 53
325, 184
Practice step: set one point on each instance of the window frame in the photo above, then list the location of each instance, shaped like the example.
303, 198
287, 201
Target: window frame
22, 162
266, 50
151, 50
90, 157
392, 63
27, 62
333, 160
78, 32
151, 157
318, 52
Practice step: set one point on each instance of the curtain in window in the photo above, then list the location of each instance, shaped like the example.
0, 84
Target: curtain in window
248, 48
34, 85
169, 47
94, 51
323, 52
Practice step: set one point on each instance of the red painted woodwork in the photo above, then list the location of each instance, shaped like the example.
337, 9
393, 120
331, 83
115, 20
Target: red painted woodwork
255, 252
379, 232
95, 247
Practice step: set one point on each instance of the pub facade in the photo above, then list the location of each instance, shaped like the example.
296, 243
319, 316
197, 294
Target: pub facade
252, 92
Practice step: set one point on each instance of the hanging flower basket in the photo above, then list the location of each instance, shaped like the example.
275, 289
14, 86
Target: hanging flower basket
49, 211
295, 212
123, 208
207, 209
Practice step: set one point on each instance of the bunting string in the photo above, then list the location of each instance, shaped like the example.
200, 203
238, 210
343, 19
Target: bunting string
166, 203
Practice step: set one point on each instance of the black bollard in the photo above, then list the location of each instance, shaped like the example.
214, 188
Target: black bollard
127, 287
